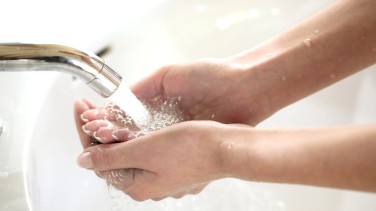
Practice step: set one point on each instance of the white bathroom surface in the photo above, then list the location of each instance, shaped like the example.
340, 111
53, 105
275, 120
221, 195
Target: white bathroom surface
40, 145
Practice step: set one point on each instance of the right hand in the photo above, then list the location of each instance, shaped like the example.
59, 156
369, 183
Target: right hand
211, 90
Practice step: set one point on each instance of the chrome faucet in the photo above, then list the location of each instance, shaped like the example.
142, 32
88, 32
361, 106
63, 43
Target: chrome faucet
46, 57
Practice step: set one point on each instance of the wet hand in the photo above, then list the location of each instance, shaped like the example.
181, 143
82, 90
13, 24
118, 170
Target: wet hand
215, 90
171, 162
103, 125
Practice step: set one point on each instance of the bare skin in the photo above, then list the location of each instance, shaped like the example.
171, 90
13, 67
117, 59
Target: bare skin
247, 88
188, 155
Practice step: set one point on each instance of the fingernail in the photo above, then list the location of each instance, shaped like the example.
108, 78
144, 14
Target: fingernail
88, 132
84, 161
103, 123
83, 118
115, 135
91, 112
88, 102
97, 137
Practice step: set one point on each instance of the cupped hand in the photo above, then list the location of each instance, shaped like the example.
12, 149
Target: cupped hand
211, 89
88, 119
171, 162
215, 90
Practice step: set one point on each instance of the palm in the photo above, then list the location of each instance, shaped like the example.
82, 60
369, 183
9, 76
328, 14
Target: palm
209, 91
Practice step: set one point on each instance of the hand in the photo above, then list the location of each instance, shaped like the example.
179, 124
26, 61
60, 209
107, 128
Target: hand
80, 107
170, 162
211, 90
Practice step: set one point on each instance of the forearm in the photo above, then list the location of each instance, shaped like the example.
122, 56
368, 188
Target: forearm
341, 157
314, 54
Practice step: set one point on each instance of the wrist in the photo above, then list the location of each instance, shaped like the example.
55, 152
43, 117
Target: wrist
263, 83
238, 150
248, 90
255, 154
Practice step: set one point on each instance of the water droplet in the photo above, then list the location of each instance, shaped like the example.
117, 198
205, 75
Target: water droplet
124, 98
332, 76
374, 49
162, 113
316, 31
283, 78
308, 42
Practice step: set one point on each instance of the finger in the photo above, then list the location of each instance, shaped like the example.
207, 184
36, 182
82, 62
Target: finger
136, 183
189, 191
89, 103
198, 190
123, 134
105, 157
91, 127
118, 117
81, 106
150, 86
104, 135
120, 179
92, 114
105, 132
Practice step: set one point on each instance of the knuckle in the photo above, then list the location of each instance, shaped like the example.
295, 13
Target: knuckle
139, 196
101, 174
157, 198
178, 196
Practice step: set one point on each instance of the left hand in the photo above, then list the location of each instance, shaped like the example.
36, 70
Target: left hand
171, 162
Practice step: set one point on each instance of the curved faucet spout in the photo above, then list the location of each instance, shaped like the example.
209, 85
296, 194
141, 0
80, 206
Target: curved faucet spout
46, 57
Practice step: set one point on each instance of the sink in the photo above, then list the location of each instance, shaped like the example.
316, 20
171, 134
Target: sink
21, 96
39, 144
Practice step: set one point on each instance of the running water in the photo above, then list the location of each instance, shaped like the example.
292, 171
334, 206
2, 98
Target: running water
143, 117
149, 116
128, 102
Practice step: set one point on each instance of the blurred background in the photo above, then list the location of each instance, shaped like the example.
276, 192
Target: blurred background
39, 144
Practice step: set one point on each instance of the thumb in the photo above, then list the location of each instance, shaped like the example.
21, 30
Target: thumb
151, 86
105, 157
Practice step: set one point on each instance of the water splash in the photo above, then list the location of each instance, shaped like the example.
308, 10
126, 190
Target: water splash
162, 113
307, 42
223, 195
125, 99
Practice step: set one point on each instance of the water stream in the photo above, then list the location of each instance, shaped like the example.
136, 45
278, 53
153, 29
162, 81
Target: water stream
218, 196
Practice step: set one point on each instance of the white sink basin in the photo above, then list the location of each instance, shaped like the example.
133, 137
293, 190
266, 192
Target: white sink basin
39, 146
21, 96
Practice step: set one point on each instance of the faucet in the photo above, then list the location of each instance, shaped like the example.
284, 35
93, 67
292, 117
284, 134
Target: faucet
47, 57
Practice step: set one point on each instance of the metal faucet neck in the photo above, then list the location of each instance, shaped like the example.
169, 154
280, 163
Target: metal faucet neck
46, 57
